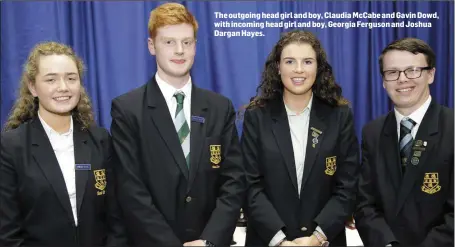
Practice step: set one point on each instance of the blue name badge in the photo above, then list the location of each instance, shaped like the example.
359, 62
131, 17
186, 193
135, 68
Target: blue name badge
197, 119
83, 167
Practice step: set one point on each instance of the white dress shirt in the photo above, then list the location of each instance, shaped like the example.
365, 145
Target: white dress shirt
417, 116
168, 92
63, 147
299, 124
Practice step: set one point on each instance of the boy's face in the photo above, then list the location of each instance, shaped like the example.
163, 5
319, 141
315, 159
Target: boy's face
174, 47
408, 89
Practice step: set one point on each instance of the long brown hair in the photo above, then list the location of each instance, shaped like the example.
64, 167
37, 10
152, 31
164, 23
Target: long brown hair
26, 106
271, 86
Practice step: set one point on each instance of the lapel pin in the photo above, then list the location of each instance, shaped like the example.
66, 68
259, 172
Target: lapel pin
315, 133
197, 119
415, 161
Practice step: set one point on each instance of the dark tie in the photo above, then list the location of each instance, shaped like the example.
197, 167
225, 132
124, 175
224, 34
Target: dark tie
406, 141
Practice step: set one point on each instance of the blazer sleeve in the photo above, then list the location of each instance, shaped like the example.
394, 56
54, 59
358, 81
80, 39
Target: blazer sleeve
341, 205
116, 228
260, 212
145, 224
222, 222
442, 235
10, 216
369, 220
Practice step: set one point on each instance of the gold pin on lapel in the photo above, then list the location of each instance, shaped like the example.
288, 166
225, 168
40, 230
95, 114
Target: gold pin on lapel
315, 134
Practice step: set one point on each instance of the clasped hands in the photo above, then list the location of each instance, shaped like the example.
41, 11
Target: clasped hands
303, 241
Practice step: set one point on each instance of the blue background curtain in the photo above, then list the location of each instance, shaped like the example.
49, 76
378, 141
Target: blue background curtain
111, 38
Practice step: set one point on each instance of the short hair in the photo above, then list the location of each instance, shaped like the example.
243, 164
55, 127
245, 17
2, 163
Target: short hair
170, 14
412, 45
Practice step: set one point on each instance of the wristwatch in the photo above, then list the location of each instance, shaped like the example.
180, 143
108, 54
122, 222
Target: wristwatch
208, 243
321, 238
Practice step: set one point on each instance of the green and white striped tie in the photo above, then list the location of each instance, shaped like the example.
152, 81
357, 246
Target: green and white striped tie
181, 126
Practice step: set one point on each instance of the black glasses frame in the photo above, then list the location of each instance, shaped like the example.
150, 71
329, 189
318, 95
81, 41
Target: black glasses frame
408, 70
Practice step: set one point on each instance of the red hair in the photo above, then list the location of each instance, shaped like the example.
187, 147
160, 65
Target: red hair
170, 14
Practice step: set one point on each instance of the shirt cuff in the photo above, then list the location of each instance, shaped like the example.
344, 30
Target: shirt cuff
277, 239
321, 232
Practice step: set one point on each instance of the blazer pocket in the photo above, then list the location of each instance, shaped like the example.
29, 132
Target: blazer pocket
214, 148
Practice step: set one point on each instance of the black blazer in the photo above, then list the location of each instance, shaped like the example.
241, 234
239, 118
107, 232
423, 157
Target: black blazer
35, 209
407, 209
165, 202
329, 179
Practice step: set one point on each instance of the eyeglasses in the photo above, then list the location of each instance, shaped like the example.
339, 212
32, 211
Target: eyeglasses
411, 73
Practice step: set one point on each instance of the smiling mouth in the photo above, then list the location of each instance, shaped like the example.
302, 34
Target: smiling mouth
405, 90
62, 98
298, 80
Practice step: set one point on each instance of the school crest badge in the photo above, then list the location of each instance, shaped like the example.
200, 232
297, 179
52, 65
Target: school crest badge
100, 181
330, 165
215, 155
431, 183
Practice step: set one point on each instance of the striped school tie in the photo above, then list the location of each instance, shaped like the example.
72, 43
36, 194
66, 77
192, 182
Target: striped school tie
181, 126
406, 141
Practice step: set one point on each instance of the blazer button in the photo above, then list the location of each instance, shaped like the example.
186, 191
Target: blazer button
188, 199
303, 229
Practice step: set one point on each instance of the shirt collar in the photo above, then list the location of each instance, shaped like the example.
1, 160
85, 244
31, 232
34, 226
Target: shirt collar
417, 115
307, 108
49, 131
168, 90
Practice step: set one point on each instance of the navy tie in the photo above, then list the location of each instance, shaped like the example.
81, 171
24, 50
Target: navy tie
406, 141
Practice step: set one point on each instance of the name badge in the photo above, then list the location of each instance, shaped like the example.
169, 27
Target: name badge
197, 119
83, 167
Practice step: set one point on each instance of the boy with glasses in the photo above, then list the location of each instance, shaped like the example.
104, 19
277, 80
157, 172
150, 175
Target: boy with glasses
406, 186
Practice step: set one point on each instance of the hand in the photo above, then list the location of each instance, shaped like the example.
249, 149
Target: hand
288, 243
350, 224
195, 243
307, 241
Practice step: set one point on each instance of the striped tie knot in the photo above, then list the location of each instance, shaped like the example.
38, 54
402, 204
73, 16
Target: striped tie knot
406, 125
179, 96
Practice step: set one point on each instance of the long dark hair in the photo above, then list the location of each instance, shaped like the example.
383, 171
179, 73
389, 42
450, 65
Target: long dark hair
324, 87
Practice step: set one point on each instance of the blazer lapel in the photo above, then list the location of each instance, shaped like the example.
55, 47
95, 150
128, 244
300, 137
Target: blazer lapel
82, 155
44, 155
282, 135
161, 118
315, 139
390, 150
425, 141
199, 108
